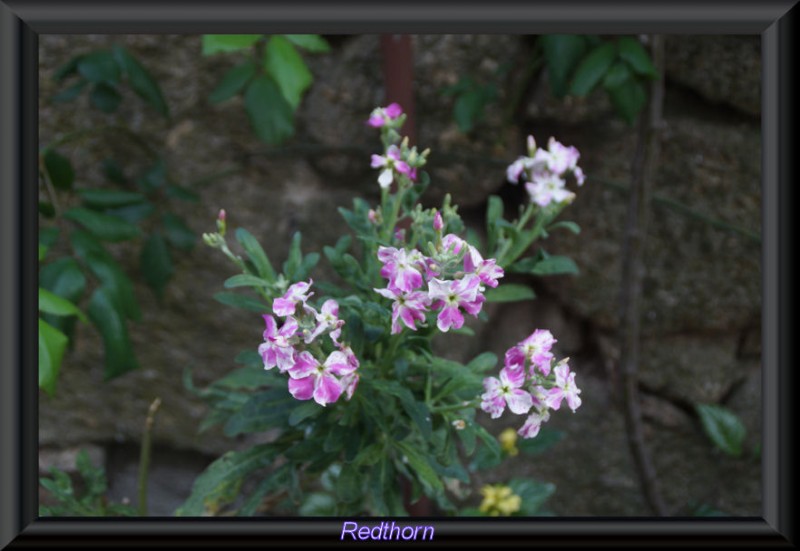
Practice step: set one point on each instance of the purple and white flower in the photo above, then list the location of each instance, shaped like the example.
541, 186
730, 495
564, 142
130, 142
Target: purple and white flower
276, 350
408, 307
296, 293
565, 389
507, 390
451, 295
311, 379
390, 163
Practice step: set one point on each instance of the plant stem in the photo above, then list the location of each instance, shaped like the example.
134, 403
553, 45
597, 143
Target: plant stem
144, 457
453, 407
644, 165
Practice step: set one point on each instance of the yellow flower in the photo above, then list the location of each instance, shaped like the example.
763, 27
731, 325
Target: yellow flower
508, 441
499, 500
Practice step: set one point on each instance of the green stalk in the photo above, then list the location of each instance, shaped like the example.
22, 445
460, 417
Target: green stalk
144, 457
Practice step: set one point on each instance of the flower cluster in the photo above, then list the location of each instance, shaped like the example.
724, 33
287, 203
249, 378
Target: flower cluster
499, 500
449, 282
544, 172
397, 159
531, 383
289, 346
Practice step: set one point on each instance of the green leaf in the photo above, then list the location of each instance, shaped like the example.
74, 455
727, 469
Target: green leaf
723, 427
292, 264
156, 264
107, 198
562, 53
69, 68
571, 226
262, 411
105, 97
632, 51
546, 439
133, 214
628, 99
468, 110
303, 412
113, 172
233, 82
509, 292
592, 69
550, 265
270, 114
99, 67
482, 362
427, 475
314, 43
102, 264
155, 177
494, 213
256, 254
46, 209
105, 227
65, 279
54, 304
177, 232
243, 302
348, 485
285, 64
71, 93
217, 43
618, 74
245, 280
59, 169
48, 236
215, 483
182, 192
108, 320
52, 344
318, 504
533, 494
141, 81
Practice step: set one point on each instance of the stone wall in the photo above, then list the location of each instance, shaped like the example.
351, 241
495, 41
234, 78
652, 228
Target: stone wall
702, 298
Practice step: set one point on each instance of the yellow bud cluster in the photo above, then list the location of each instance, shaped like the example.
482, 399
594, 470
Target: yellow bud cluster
499, 500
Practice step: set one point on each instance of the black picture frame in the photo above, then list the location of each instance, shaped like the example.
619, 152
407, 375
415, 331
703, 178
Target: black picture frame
22, 21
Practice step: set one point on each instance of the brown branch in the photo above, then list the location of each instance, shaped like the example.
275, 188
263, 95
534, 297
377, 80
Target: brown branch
643, 169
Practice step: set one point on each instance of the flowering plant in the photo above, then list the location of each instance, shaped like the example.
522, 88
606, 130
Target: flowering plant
346, 383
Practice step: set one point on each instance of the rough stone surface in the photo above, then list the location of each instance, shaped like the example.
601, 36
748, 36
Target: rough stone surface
723, 69
701, 304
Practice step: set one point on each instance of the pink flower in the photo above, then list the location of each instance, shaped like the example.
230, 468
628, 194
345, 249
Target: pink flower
548, 188
298, 292
579, 176
327, 319
381, 115
402, 269
486, 270
565, 389
390, 162
408, 307
453, 244
562, 158
310, 379
535, 348
533, 423
505, 390
276, 349
464, 293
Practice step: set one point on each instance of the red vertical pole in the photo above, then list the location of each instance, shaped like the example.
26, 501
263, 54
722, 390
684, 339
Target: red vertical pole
398, 77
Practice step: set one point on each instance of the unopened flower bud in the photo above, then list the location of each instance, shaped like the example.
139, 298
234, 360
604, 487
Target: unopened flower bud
221, 222
531, 146
459, 424
438, 223
372, 216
